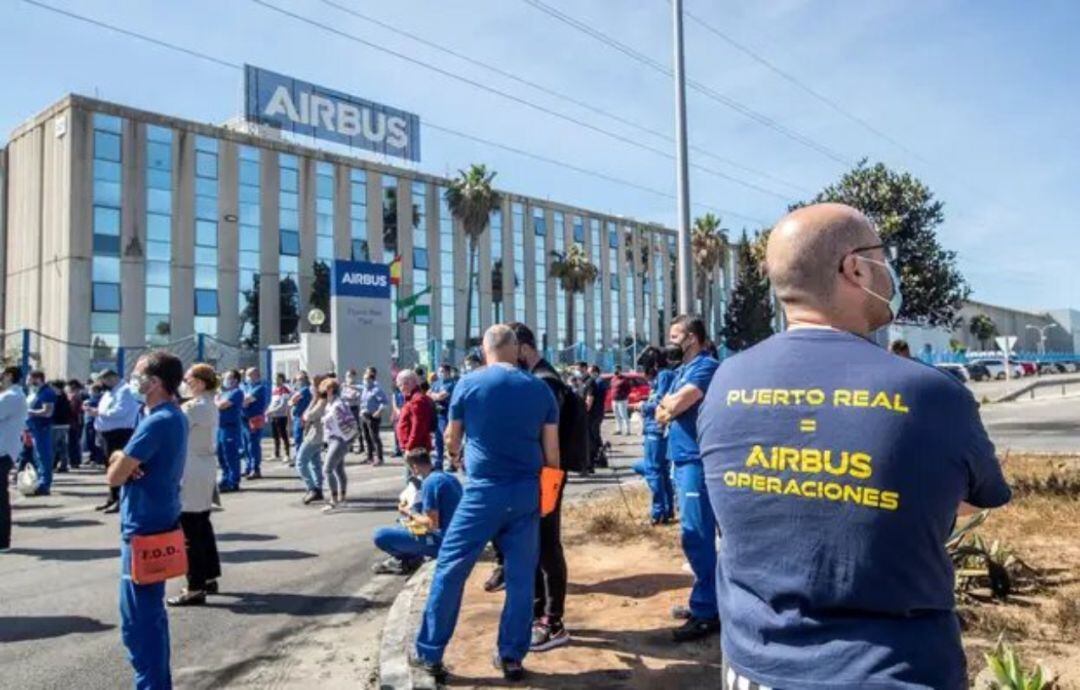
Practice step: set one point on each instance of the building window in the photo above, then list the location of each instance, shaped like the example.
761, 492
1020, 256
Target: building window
446, 269
597, 289
560, 295
499, 274
324, 212
579, 300
419, 313
206, 303
358, 215
206, 232
289, 247
613, 281
105, 302
517, 229
540, 258
390, 244
660, 305
248, 235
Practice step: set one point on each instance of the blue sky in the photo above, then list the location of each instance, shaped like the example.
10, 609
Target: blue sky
982, 96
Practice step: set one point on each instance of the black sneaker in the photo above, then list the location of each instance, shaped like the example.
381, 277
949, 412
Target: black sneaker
548, 635
696, 629
435, 669
512, 670
681, 613
211, 587
497, 581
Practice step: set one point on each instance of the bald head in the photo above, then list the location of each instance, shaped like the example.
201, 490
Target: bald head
805, 250
500, 344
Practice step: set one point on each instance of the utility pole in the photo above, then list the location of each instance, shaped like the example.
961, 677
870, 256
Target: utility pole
686, 292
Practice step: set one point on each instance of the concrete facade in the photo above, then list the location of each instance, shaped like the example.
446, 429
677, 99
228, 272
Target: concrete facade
48, 214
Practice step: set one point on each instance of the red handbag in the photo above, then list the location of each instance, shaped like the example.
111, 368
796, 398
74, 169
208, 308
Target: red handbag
257, 422
158, 557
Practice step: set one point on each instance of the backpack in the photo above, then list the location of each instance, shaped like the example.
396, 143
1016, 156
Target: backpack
574, 452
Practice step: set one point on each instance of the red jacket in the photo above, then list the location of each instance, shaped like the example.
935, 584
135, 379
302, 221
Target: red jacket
416, 422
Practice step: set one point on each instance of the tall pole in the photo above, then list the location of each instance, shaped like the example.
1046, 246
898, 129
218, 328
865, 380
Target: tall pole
686, 293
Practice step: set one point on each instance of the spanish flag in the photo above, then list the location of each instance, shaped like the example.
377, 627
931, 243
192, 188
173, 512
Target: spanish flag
395, 270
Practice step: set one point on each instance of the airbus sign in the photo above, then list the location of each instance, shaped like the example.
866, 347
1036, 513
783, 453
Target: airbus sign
361, 279
297, 106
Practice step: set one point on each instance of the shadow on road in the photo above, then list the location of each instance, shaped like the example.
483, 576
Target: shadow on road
68, 554
22, 628
634, 586
245, 536
22, 505
57, 523
258, 604
260, 555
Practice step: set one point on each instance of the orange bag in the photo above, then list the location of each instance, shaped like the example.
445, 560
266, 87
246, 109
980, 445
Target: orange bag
551, 481
158, 557
257, 422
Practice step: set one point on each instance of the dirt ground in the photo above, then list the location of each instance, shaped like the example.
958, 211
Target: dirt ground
624, 579
625, 576
1041, 527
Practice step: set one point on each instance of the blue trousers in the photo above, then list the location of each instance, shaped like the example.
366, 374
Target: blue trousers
658, 477
309, 465
228, 455
509, 514
441, 422
252, 448
404, 546
144, 628
43, 455
698, 537
297, 434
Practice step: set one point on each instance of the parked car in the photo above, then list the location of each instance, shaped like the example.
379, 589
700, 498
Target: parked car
639, 388
996, 367
1030, 368
958, 370
978, 372
1051, 368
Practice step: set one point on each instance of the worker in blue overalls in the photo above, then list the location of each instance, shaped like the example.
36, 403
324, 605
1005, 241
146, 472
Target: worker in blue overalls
230, 402
40, 407
298, 405
256, 399
510, 419
441, 392
148, 472
679, 410
657, 468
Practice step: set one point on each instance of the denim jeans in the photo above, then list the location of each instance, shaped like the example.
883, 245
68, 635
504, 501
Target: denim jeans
309, 465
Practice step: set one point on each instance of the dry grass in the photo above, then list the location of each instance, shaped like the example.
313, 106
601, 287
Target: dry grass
614, 517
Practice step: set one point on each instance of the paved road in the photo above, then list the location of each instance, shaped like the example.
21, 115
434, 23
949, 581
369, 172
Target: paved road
299, 604
1051, 425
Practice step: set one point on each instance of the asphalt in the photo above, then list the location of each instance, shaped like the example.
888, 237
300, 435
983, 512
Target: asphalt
298, 603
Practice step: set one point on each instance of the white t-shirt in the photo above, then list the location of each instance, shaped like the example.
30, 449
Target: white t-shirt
12, 421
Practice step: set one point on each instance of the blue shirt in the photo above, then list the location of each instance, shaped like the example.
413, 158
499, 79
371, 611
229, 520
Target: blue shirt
835, 470
261, 395
682, 445
302, 402
443, 385
151, 503
373, 398
441, 492
230, 416
659, 387
44, 396
503, 411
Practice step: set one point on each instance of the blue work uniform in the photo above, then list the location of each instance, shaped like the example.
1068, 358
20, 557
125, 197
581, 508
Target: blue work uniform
230, 433
150, 505
399, 402
696, 514
297, 411
442, 416
503, 411
657, 468
251, 439
440, 492
836, 486
41, 434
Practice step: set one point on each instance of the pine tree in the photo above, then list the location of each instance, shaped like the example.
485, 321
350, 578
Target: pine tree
749, 314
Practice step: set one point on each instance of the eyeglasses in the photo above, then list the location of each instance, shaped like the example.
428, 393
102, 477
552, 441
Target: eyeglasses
888, 249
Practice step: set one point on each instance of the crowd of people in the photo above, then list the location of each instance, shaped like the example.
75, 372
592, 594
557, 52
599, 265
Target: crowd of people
813, 502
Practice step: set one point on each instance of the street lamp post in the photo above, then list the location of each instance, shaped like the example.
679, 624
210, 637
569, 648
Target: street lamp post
1042, 335
682, 181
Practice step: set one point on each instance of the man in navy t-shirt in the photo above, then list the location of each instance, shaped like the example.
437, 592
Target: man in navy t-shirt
679, 410
148, 470
510, 419
836, 471
440, 494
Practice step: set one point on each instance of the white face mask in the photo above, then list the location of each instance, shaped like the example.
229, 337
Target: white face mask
896, 300
185, 390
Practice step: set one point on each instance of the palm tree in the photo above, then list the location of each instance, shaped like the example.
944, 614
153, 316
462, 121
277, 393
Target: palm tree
574, 272
983, 328
708, 244
471, 200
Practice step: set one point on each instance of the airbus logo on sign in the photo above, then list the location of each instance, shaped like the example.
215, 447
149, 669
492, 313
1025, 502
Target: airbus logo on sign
365, 279
303, 108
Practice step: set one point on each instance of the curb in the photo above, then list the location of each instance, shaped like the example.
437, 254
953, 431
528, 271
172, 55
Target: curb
395, 671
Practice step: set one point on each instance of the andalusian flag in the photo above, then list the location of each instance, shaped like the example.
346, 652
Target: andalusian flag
411, 300
395, 270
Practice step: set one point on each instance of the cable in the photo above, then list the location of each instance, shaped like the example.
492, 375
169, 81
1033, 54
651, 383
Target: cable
790, 78
744, 110
233, 65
